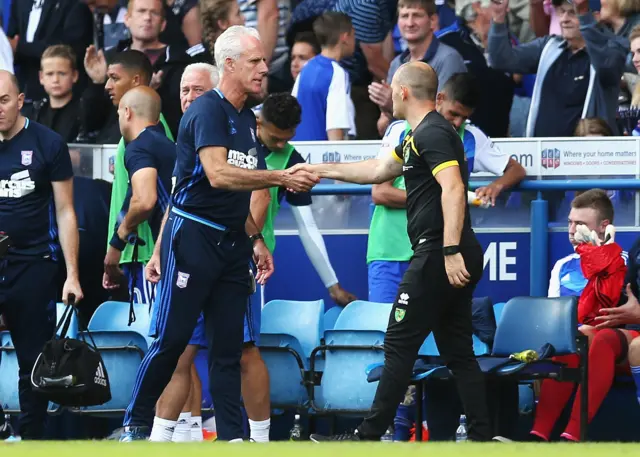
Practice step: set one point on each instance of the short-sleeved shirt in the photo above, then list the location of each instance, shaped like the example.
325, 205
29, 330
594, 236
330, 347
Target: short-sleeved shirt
174, 15
323, 91
29, 163
212, 121
372, 21
483, 155
152, 149
432, 147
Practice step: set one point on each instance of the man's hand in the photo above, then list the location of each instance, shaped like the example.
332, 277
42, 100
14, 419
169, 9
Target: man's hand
300, 178
341, 296
152, 270
629, 313
264, 261
156, 80
489, 193
95, 65
456, 270
380, 94
499, 9
72, 287
112, 272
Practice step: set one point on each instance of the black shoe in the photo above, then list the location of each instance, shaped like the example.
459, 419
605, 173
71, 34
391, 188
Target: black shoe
351, 435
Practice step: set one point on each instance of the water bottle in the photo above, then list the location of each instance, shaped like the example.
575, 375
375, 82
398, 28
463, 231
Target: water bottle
461, 433
296, 432
388, 436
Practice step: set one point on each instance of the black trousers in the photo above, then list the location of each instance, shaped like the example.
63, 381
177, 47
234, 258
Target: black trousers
426, 303
28, 290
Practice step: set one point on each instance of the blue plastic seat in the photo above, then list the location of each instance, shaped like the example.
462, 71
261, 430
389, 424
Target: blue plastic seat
122, 348
73, 326
354, 344
8, 375
531, 323
497, 310
331, 316
290, 330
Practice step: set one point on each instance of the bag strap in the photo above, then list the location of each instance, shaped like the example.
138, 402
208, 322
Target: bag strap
134, 280
65, 319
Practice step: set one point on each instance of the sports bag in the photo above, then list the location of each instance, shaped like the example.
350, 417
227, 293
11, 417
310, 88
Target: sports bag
71, 372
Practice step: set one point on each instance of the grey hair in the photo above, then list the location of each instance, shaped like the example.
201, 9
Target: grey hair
229, 45
212, 70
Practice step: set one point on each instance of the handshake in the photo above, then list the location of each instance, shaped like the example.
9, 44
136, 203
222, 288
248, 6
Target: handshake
300, 178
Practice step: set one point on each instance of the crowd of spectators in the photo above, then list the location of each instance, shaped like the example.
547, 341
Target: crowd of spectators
543, 64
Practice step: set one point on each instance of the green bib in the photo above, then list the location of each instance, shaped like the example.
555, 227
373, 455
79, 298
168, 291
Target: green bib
388, 239
276, 160
118, 194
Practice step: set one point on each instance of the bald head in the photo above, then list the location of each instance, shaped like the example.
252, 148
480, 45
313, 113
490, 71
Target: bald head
143, 102
9, 83
419, 78
139, 108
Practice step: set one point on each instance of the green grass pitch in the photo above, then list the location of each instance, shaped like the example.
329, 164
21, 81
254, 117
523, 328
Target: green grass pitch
307, 449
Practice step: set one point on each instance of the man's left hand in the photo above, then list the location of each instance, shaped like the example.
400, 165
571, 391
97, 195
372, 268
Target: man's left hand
341, 296
629, 313
456, 270
489, 193
72, 287
263, 260
112, 272
380, 94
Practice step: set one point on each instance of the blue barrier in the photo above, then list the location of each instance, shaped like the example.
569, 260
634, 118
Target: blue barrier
546, 185
539, 214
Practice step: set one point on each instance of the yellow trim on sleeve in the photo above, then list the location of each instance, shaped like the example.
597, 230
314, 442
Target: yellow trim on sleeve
395, 156
443, 165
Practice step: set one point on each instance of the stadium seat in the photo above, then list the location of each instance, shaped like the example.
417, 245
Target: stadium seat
533, 323
8, 375
290, 330
331, 316
73, 327
122, 348
428, 366
497, 310
354, 344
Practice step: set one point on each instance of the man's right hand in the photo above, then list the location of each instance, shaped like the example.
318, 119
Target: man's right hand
152, 270
299, 178
95, 65
499, 9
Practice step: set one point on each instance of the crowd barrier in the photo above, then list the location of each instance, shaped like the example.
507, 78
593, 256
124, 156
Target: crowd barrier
541, 157
522, 247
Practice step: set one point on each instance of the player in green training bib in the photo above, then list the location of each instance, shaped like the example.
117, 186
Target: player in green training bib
277, 122
136, 72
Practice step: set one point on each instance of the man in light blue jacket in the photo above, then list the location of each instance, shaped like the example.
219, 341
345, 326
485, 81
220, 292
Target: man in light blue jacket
578, 73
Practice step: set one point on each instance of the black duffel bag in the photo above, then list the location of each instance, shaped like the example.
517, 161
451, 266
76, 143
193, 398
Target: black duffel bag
70, 372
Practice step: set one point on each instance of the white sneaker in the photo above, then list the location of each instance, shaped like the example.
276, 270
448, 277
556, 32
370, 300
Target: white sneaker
502, 439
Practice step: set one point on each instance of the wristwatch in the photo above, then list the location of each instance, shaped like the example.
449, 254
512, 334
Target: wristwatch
451, 250
256, 237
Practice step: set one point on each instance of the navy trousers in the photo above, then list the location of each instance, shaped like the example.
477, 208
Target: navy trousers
28, 291
203, 269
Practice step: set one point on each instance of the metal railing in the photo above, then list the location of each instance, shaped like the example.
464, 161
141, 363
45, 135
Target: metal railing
539, 261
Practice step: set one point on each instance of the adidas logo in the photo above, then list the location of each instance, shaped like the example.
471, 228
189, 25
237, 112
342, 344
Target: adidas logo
100, 378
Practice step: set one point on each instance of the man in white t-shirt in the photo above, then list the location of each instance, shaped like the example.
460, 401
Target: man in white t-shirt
323, 87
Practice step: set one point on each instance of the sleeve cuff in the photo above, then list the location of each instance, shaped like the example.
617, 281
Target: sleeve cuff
444, 165
395, 157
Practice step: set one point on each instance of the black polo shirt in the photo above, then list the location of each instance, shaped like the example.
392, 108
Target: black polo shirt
564, 91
